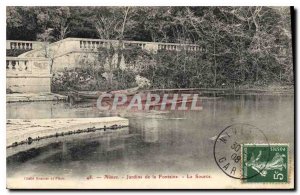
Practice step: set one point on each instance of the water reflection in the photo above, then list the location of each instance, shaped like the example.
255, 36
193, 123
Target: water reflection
176, 141
149, 131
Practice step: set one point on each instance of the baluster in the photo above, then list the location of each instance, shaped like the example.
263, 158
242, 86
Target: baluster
13, 65
25, 65
22, 66
18, 65
28, 65
30, 46
10, 66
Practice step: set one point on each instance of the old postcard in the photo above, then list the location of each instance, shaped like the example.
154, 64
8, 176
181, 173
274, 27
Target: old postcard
150, 97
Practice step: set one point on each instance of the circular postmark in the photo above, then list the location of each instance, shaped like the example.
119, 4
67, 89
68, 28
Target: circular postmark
233, 158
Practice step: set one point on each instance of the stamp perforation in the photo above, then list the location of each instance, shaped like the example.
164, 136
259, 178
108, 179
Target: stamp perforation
243, 181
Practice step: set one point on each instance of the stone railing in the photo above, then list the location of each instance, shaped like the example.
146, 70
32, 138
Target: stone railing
178, 47
70, 45
28, 75
23, 45
25, 66
93, 44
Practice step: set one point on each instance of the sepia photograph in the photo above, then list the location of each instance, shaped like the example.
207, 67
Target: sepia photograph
150, 97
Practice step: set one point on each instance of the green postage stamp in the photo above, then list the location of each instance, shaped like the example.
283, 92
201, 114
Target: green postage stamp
265, 163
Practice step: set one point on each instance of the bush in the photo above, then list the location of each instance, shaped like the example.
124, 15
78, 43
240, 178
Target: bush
83, 79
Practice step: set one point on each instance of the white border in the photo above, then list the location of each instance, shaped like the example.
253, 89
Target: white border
295, 3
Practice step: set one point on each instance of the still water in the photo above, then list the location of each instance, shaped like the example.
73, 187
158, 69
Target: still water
155, 142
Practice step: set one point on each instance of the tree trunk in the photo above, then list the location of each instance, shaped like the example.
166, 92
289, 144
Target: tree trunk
120, 44
215, 63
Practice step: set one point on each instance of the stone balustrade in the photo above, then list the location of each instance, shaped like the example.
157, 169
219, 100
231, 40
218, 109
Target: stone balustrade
23, 45
178, 47
93, 44
27, 75
19, 66
70, 52
71, 45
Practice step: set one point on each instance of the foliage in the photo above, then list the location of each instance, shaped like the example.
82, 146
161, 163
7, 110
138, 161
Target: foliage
84, 79
240, 45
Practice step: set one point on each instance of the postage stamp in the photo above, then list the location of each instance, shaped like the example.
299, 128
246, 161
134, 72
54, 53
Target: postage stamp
268, 162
